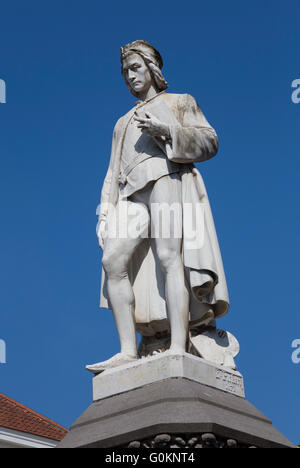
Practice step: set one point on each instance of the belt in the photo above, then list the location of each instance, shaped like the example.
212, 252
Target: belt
137, 160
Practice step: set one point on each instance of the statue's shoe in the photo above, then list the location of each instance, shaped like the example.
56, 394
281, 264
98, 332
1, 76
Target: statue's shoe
115, 361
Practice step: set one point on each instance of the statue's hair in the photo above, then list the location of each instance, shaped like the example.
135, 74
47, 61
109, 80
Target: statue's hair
152, 59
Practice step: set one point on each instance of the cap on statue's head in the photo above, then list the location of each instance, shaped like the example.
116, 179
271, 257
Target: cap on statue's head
151, 57
146, 50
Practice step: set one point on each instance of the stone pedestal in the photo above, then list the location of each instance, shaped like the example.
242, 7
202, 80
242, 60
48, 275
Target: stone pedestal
165, 366
169, 401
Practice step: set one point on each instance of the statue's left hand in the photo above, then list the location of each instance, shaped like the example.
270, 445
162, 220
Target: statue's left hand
152, 126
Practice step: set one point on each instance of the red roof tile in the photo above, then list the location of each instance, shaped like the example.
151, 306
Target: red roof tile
13, 415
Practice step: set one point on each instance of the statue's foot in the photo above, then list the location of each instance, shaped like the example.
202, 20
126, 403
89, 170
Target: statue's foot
115, 361
175, 350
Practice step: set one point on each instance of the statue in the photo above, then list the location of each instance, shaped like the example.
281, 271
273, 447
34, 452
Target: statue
169, 288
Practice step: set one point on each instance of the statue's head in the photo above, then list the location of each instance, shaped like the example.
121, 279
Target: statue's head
141, 67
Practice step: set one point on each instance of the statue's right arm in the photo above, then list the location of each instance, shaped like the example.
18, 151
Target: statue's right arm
105, 195
105, 192
101, 226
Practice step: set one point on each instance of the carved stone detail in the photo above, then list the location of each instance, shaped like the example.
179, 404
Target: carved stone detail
187, 441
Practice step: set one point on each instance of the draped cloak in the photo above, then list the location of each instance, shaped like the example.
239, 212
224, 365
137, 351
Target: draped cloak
192, 140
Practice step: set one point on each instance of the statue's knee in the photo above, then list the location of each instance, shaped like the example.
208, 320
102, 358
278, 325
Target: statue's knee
169, 258
114, 264
106, 262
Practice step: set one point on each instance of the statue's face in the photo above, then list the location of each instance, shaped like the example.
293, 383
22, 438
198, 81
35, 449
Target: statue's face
136, 74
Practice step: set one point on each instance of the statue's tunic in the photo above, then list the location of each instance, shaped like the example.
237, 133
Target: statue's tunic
143, 159
137, 159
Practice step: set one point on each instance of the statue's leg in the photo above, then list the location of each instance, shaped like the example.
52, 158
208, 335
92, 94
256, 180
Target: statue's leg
118, 250
167, 230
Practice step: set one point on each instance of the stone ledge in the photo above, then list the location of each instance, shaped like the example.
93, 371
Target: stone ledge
172, 406
165, 366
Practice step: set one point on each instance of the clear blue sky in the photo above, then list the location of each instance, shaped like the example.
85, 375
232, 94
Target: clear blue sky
60, 61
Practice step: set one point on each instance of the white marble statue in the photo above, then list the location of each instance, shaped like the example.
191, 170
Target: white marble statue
169, 288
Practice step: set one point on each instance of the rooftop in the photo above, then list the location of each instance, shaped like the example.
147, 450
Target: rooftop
14, 415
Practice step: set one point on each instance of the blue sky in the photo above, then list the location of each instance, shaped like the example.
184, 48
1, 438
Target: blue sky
60, 62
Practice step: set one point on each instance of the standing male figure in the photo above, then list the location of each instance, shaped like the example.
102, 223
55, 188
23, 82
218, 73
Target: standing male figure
158, 283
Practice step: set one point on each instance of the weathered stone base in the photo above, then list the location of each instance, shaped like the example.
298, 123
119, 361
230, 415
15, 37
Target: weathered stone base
176, 407
164, 366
